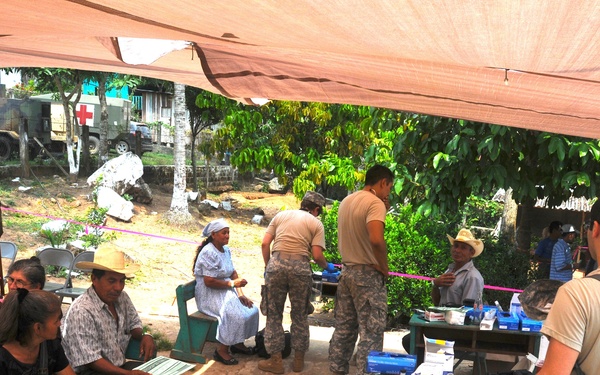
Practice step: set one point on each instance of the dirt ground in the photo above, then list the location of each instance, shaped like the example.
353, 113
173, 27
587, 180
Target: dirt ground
165, 252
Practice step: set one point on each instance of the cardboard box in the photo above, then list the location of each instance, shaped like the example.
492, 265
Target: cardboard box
508, 321
455, 317
426, 368
390, 363
441, 353
435, 316
529, 325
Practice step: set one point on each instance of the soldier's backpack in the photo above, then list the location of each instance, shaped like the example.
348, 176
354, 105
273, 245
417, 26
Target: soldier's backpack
262, 351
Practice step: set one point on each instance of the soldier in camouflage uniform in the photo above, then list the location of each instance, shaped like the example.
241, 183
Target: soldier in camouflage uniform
295, 235
361, 298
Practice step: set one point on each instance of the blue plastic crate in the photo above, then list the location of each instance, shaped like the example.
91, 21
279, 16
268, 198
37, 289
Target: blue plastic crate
508, 321
390, 363
528, 324
331, 277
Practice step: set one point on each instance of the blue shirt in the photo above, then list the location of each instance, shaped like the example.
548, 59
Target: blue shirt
544, 248
561, 257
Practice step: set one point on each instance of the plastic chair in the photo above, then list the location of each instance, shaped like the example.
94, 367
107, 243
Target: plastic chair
59, 258
9, 251
69, 290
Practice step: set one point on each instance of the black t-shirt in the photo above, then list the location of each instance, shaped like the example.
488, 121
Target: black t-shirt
57, 361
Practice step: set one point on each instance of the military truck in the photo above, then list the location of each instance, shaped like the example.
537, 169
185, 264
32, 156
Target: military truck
88, 114
37, 116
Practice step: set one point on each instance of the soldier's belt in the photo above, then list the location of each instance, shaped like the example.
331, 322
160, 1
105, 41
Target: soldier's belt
362, 267
280, 255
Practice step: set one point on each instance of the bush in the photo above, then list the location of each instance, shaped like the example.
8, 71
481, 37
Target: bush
418, 245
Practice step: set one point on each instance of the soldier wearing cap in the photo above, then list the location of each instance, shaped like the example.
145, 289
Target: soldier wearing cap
361, 297
295, 236
561, 265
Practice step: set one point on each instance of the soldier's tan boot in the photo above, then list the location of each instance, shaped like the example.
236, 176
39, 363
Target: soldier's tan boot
273, 364
298, 361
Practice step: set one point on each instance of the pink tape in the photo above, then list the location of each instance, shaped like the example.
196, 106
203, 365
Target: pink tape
418, 277
103, 227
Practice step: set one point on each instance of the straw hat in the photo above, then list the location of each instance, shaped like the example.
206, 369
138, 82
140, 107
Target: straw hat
465, 235
109, 259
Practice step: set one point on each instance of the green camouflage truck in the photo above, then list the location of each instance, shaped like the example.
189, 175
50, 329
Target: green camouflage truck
37, 116
88, 114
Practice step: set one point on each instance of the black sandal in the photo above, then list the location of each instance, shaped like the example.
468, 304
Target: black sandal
246, 351
226, 362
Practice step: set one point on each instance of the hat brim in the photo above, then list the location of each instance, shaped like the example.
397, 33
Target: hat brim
128, 271
477, 245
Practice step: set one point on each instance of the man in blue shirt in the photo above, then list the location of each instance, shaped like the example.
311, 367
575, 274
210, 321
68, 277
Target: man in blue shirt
561, 267
543, 252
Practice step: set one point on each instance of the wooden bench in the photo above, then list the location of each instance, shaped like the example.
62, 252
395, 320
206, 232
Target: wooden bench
194, 329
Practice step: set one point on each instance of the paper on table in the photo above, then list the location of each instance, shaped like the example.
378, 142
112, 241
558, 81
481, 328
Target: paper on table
165, 366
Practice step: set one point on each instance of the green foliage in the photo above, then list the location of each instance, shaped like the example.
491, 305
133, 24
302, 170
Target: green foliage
161, 340
56, 238
417, 246
160, 124
157, 158
446, 160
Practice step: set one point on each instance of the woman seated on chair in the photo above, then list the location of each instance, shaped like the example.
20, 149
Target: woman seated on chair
27, 274
29, 330
219, 294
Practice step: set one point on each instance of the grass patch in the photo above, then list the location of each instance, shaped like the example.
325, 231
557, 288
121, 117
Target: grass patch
24, 223
162, 342
157, 158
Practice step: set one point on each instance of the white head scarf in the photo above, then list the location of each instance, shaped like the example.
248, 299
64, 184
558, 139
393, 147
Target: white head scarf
214, 226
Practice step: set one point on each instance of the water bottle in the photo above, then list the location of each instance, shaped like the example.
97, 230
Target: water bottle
317, 290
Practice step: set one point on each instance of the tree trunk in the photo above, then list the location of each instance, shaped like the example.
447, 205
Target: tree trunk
103, 149
524, 232
24, 147
179, 213
72, 127
194, 165
509, 217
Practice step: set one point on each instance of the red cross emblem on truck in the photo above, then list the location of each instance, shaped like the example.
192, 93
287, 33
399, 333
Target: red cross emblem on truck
85, 112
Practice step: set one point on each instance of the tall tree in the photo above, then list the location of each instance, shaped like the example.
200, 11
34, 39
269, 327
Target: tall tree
312, 144
205, 109
445, 161
178, 212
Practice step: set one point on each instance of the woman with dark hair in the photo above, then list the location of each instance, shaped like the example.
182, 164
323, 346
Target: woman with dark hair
219, 293
27, 274
29, 330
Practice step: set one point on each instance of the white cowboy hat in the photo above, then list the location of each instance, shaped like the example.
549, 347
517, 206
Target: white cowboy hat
109, 259
465, 235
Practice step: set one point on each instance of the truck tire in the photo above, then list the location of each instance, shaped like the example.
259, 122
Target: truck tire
122, 147
94, 144
5, 148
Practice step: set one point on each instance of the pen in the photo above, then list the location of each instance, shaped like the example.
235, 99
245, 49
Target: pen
498, 306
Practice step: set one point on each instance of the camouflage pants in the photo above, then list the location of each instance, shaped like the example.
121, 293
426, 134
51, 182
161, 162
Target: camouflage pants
360, 308
283, 277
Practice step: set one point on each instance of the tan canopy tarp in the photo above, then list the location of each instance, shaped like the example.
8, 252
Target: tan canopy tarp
442, 57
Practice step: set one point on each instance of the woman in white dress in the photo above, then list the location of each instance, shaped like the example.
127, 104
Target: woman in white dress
219, 294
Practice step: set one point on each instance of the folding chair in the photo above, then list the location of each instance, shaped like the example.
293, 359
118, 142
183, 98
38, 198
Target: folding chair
69, 290
8, 251
59, 258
